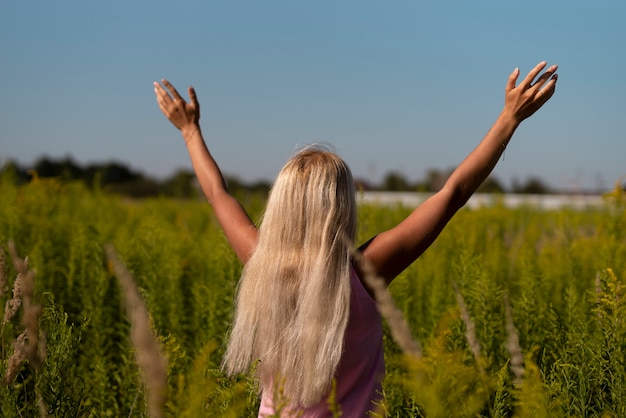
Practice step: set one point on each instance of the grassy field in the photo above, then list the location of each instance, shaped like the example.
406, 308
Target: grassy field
122, 308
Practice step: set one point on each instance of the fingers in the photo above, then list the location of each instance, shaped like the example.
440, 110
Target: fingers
536, 87
532, 92
548, 90
527, 83
161, 95
181, 113
539, 84
532, 74
171, 107
510, 85
193, 98
541, 91
171, 89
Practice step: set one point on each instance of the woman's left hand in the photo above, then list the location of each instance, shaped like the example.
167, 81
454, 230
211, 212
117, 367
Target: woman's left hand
183, 115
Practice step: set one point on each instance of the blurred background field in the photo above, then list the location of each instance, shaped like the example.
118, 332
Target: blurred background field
519, 311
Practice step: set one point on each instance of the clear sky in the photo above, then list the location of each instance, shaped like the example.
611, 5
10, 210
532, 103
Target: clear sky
407, 86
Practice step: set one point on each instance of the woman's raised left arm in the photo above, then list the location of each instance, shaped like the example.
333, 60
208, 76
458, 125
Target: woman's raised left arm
237, 226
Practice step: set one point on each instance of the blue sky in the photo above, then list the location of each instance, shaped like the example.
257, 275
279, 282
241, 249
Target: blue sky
406, 86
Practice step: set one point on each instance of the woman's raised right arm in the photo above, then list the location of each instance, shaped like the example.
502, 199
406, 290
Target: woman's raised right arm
392, 251
237, 225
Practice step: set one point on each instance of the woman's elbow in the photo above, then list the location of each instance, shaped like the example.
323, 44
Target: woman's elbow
456, 196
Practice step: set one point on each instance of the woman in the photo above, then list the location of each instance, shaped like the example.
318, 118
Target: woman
304, 320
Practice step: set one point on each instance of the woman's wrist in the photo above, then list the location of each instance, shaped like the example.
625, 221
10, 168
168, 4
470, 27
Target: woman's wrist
191, 131
509, 119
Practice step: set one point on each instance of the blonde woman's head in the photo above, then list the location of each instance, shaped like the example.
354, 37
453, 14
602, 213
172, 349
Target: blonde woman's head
293, 300
313, 196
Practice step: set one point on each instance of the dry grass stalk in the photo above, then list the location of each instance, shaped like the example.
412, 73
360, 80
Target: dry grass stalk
3, 273
598, 286
598, 294
31, 312
512, 344
16, 360
13, 304
400, 330
150, 360
470, 331
43, 408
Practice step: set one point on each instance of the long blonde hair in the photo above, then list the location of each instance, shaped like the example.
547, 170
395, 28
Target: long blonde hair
293, 299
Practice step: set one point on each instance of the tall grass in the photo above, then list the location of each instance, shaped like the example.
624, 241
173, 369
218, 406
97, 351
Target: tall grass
518, 312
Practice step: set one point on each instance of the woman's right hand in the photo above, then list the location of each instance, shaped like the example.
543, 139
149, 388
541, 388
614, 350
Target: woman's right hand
183, 115
523, 100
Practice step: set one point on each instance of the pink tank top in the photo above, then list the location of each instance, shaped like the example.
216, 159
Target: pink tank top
362, 366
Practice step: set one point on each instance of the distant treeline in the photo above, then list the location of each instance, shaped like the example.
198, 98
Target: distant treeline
119, 178
435, 179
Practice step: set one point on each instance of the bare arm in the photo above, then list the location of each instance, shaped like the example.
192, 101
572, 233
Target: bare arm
394, 250
239, 229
